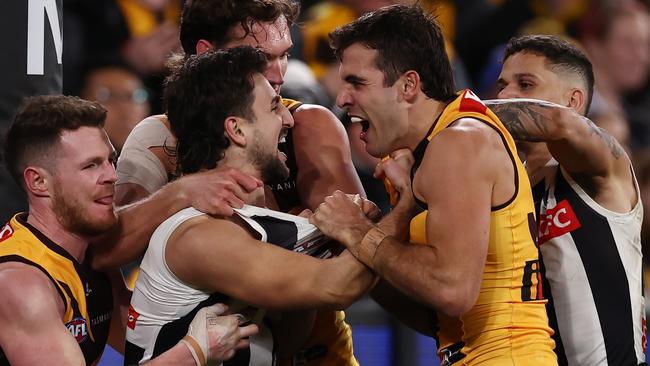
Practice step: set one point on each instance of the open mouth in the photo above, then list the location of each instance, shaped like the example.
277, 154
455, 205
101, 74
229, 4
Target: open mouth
283, 137
365, 125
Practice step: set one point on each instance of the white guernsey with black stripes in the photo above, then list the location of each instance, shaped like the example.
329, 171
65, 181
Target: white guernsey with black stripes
592, 268
163, 306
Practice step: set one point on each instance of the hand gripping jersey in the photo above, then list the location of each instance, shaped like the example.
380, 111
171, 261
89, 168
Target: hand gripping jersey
593, 271
508, 324
163, 306
86, 294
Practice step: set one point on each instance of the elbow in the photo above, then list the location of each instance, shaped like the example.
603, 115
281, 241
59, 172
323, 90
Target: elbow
455, 301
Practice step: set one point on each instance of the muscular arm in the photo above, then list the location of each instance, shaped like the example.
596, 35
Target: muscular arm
587, 152
445, 273
574, 140
214, 191
221, 256
322, 155
31, 310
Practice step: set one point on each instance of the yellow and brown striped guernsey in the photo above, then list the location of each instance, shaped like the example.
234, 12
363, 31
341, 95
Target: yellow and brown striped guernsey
330, 343
86, 294
508, 324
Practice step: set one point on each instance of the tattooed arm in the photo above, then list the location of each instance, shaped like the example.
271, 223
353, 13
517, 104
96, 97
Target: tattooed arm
580, 146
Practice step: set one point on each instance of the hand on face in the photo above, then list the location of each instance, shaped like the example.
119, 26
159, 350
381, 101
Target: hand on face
217, 192
342, 218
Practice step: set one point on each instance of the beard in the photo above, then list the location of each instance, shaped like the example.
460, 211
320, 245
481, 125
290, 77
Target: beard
74, 217
272, 169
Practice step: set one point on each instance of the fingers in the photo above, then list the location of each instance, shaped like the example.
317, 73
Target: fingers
216, 310
306, 213
248, 330
247, 182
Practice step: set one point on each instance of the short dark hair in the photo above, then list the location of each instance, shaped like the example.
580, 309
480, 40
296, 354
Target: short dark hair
406, 38
37, 127
214, 20
559, 53
201, 93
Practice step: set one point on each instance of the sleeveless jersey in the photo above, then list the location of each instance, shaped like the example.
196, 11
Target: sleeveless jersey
330, 343
593, 268
508, 324
163, 306
87, 295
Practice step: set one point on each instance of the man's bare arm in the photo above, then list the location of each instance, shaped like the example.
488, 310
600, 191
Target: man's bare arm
31, 310
575, 142
445, 273
211, 192
221, 256
322, 155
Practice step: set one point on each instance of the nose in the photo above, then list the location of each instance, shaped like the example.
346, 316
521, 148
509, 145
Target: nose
273, 73
109, 176
344, 98
287, 118
508, 93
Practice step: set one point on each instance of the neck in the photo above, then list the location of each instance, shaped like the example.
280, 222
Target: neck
536, 156
421, 116
256, 197
45, 221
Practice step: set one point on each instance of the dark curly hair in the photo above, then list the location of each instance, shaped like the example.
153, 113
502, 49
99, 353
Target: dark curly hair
560, 55
214, 20
406, 38
201, 94
36, 130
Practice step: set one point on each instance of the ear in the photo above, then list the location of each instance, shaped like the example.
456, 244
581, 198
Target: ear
37, 181
577, 100
411, 83
202, 46
233, 128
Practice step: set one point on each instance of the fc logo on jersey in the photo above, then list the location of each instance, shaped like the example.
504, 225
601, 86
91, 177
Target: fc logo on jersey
78, 327
557, 221
6, 232
133, 317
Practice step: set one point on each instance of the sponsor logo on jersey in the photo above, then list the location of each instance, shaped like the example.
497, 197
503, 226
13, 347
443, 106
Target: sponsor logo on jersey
557, 221
471, 103
78, 327
133, 317
6, 232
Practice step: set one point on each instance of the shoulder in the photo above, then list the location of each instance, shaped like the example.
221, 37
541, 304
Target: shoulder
152, 130
28, 294
316, 120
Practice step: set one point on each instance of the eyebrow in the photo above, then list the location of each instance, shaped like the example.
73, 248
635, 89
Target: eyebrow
353, 79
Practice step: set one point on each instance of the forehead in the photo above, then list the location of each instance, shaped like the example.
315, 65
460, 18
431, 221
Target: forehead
272, 37
83, 143
263, 91
525, 62
358, 60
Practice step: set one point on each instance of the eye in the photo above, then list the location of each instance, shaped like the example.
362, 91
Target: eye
89, 166
525, 85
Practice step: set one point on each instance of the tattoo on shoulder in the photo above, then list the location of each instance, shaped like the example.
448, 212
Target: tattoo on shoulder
613, 145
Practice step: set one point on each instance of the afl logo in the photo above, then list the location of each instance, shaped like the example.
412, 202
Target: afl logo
6, 232
78, 327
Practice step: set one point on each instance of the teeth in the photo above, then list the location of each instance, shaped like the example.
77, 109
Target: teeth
355, 119
282, 139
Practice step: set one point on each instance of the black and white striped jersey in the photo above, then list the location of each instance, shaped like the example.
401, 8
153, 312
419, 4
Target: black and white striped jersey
592, 267
162, 306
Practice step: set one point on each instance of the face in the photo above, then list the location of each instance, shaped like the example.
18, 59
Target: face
366, 100
627, 51
123, 96
274, 39
526, 75
82, 184
271, 125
